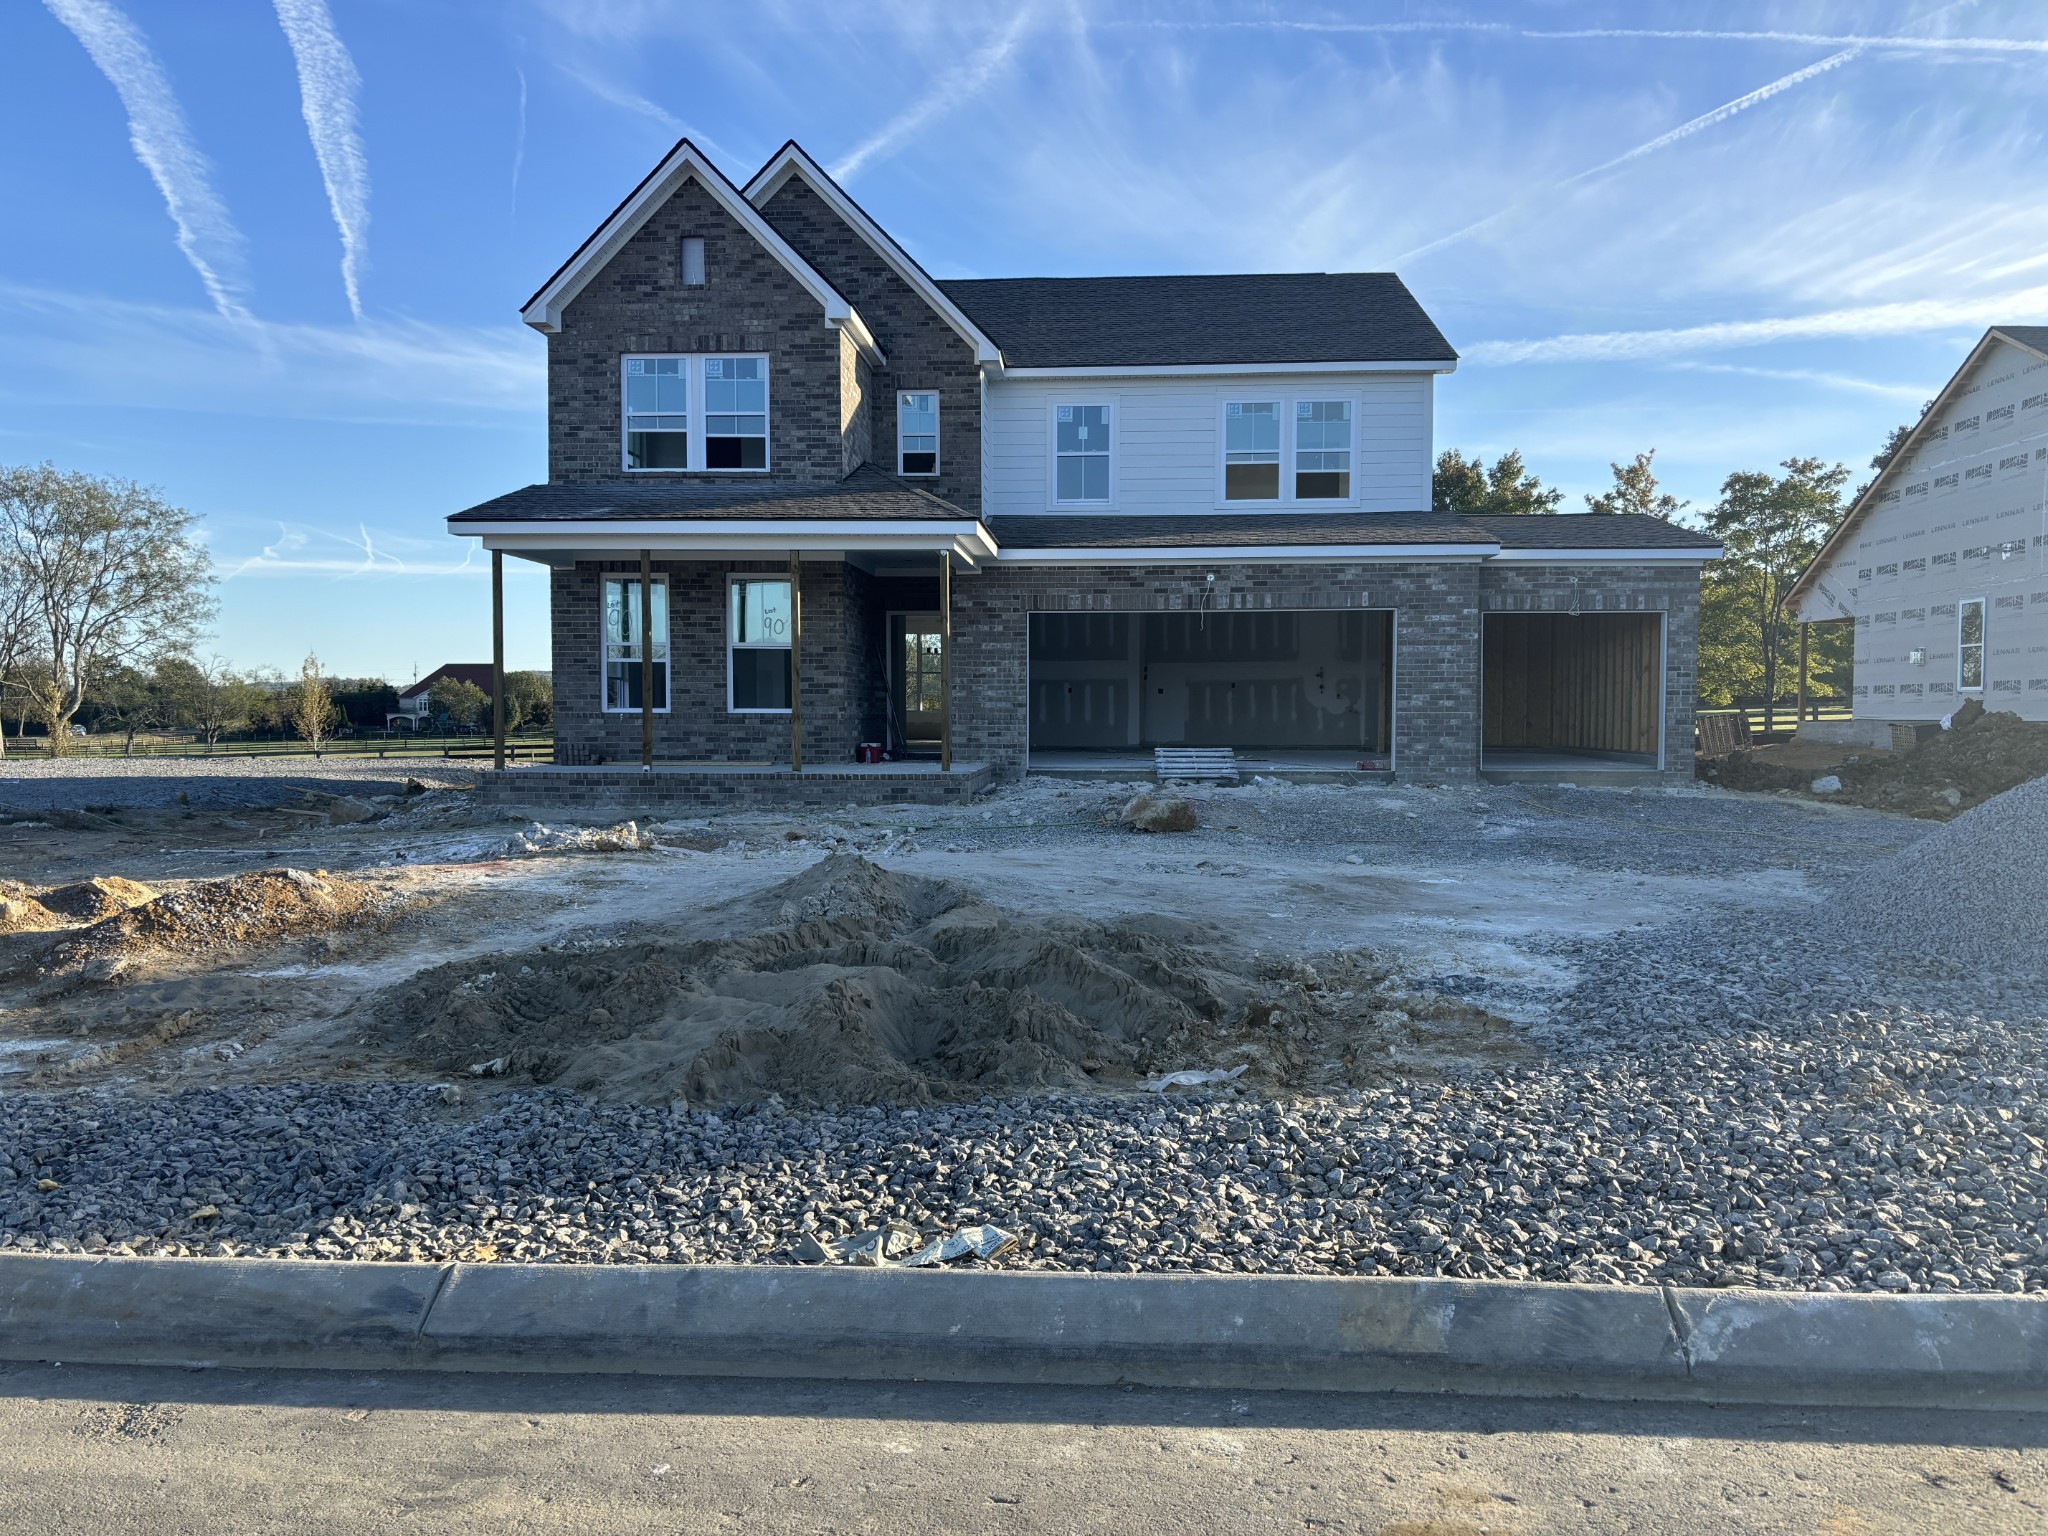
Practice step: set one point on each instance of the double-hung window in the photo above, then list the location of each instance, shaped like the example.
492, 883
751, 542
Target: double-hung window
917, 432
1080, 454
696, 413
1970, 645
757, 646
1322, 450
657, 413
622, 671
1251, 450
1288, 450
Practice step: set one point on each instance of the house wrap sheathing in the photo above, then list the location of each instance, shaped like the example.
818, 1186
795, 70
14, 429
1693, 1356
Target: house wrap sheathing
1943, 562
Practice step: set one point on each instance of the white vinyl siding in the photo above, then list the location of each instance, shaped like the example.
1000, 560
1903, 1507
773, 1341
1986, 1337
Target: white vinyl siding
1168, 441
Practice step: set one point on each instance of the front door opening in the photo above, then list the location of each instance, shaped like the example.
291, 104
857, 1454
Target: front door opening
917, 703
1313, 685
1561, 688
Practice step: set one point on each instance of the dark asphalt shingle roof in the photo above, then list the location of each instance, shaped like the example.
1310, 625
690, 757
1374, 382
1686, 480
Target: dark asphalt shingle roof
1288, 317
1588, 530
867, 494
2035, 336
1571, 530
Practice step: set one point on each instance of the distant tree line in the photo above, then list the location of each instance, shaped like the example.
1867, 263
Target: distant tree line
1771, 524
105, 590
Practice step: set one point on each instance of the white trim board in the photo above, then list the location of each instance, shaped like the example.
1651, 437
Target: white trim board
792, 160
1217, 370
1248, 554
683, 163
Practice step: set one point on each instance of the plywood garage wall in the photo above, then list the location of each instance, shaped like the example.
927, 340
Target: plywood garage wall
1585, 683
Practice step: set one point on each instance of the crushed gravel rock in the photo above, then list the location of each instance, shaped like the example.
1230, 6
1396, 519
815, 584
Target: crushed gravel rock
626, 837
101, 896
228, 782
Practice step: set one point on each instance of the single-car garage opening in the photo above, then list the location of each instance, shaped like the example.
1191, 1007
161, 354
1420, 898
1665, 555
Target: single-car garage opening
1561, 689
1309, 688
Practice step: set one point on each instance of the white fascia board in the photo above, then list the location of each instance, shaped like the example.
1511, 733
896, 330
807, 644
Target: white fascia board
1218, 370
1607, 556
729, 533
544, 310
791, 160
1248, 554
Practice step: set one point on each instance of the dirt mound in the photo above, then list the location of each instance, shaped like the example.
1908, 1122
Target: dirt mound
854, 984
1149, 813
258, 908
102, 896
1981, 755
20, 912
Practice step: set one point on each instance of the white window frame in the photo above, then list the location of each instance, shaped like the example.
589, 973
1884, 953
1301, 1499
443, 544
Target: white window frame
1281, 408
938, 451
1052, 451
693, 374
1292, 463
1288, 401
1983, 644
664, 646
732, 580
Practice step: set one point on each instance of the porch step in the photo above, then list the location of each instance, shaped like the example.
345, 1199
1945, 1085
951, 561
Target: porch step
1216, 764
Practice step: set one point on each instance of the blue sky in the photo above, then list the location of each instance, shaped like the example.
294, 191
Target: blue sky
267, 254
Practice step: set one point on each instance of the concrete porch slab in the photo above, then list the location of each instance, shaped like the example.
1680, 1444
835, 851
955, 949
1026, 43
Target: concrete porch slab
732, 786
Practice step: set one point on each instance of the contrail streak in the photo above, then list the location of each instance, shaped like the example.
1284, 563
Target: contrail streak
328, 84
943, 97
163, 143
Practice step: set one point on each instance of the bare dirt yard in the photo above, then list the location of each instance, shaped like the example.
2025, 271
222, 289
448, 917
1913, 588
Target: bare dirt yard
1693, 1036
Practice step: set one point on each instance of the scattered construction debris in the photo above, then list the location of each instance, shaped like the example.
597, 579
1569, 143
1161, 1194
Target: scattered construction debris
623, 838
1150, 813
898, 1245
1981, 754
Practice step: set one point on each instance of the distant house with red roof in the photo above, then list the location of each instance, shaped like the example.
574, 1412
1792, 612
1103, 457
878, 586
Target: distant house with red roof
414, 710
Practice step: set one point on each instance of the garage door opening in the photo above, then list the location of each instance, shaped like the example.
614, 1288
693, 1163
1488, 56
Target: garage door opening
1565, 691
1306, 688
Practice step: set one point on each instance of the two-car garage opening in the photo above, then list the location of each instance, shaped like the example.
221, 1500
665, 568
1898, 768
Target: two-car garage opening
1307, 687
1563, 692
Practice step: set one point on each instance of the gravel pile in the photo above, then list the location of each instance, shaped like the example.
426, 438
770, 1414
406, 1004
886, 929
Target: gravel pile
218, 783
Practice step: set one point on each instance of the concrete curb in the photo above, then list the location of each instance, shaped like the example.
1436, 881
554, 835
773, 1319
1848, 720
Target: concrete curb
1298, 1332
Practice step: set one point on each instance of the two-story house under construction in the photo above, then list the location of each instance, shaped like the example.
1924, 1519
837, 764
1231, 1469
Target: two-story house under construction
804, 500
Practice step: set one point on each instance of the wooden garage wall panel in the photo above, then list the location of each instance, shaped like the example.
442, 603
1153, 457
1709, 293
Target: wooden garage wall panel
1587, 684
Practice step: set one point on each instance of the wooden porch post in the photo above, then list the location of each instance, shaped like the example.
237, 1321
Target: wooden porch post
646, 658
796, 670
498, 659
946, 662
1802, 672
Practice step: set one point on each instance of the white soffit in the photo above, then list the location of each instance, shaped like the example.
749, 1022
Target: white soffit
792, 160
685, 162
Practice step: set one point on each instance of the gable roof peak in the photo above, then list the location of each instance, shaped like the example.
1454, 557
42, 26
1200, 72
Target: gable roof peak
686, 162
793, 160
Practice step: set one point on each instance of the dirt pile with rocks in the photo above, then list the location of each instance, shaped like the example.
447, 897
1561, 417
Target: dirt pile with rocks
854, 984
262, 907
1982, 754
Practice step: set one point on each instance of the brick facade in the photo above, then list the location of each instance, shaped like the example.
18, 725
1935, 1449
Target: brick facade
818, 419
923, 351
1438, 608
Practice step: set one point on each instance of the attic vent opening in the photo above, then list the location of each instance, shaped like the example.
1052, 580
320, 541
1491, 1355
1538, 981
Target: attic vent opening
693, 261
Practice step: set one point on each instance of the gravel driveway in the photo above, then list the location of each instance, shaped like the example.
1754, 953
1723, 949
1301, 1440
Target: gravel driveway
82, 783
1803, 1095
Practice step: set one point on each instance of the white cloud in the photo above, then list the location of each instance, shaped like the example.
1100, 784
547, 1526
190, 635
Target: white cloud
95, 351
328, 83
952, 90
1901, 319
1841, 381
1887, 43
163, 142
1686, 130
300, 549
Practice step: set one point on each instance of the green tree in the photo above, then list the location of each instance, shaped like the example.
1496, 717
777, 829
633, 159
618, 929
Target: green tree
462, 703
1770, 528
529, 699
1635, 489
1467, 485
115, 576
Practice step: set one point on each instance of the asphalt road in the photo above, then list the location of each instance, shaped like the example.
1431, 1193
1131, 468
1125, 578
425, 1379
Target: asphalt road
112, 1450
